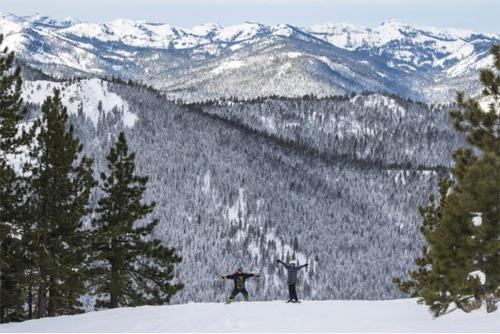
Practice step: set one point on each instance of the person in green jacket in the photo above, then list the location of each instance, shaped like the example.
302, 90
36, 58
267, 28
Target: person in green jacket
239, 278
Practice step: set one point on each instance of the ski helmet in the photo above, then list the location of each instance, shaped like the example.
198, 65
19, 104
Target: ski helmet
292, 261
239, 269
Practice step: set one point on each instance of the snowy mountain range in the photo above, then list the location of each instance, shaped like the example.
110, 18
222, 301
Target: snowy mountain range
251, 59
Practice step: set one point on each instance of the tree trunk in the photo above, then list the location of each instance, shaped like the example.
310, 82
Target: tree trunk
30, 302
51, 305
2, 304
42, 299
44, 277
44, 258
113, 298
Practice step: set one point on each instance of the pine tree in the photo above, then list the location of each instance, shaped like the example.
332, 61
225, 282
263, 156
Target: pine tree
427, 281
12, 264
130, 267
60, 185
461, 261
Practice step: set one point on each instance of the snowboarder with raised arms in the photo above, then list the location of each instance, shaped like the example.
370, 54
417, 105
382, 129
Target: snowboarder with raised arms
292, 269
239, 278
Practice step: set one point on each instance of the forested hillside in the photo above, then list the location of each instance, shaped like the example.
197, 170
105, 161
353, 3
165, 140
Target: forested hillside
245, 183
371, 128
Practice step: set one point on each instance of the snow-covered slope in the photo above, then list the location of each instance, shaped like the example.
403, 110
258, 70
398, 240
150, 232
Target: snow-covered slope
90, 97
253, 59
411, 47
309, 316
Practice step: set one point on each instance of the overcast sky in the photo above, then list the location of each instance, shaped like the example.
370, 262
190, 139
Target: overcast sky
479, 15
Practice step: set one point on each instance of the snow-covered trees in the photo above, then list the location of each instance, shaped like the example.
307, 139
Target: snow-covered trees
366, 129
255, 193
127, 268
461, 261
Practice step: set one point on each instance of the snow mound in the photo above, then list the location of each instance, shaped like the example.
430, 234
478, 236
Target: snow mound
85, 95
478, 274
403, 315
477, 220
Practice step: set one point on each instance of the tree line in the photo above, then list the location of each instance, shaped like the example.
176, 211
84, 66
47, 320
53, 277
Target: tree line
55, 246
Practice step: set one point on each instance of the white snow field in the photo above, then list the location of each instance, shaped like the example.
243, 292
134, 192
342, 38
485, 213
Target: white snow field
403, 315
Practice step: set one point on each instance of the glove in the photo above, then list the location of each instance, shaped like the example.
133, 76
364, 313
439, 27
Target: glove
307, 264
279, 261
223, 277
256, 274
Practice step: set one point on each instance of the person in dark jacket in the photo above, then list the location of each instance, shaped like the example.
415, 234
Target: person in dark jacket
239, 278
292, 269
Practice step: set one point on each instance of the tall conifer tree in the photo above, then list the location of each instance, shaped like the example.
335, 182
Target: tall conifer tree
60, 186
130, 267
12, 264
461, 261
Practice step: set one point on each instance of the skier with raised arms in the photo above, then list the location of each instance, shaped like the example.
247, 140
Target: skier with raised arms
239, 278
292, 269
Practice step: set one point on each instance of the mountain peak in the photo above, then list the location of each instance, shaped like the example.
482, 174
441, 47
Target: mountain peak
204, 29
39, 19
387, 53
283, 30
393, 22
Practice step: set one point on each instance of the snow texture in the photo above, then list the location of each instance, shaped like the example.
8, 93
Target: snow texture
403, 315
478, 274
85, 94
477, 220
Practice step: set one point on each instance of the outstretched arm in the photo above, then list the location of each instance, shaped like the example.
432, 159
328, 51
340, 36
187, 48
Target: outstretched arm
283, 263
252, 275
227, 276
303, 266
